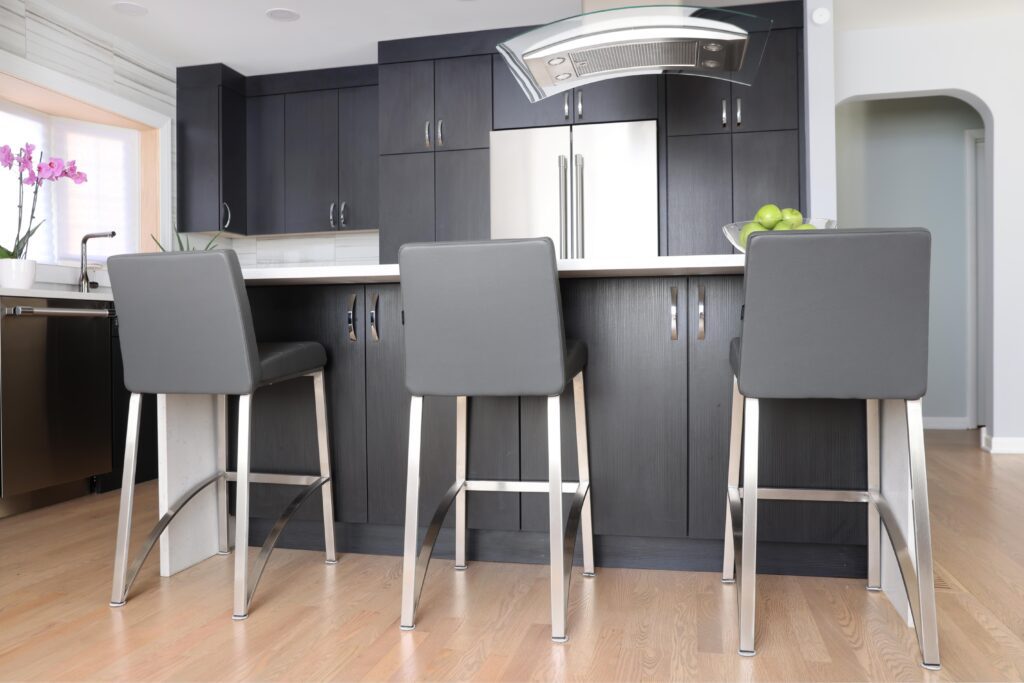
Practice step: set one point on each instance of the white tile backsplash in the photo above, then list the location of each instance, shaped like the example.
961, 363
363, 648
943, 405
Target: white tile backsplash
343, 248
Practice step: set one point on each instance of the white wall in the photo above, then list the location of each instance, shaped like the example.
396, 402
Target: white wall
970, 50
903, 163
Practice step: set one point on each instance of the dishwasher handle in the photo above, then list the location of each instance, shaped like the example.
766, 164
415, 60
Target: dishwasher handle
32, 311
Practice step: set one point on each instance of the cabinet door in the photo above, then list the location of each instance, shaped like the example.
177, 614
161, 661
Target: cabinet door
772, 102
357, 158
232, 160
699, 193
493, 433
513, 110
462, 102
284, 421
765, 169
406, 202
198, 159
406, 107
619, 99
462, 193
311, 160
711, 396
636, 408
265, 165
697, 105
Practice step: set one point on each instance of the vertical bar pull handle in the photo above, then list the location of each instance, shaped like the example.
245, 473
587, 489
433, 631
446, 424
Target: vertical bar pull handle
563, 205
352, 319
330, 216
341, 213
674, 314
580, 225
700, 312
374, 334
739, 112
565, 106
426, 134
725, 112
579, 103
227, 214
440, 132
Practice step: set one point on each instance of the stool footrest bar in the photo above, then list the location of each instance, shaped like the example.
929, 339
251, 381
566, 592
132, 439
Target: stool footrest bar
521, 486
814, 495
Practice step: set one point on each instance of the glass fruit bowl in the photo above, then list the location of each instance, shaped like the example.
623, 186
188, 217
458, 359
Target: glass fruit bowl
732, 230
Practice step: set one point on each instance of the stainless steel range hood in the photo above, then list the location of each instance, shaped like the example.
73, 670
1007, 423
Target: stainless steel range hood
595, 46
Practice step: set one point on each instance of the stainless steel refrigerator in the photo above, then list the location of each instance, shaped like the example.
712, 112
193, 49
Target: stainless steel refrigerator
593, 189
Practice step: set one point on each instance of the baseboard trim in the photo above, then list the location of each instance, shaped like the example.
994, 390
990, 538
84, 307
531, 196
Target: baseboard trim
948, 423
531, 547
1011, 445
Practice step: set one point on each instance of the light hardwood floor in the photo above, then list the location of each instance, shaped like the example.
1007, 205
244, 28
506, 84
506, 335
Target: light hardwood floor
312, 621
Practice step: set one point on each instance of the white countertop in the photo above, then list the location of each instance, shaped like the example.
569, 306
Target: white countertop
648, 267
41, 291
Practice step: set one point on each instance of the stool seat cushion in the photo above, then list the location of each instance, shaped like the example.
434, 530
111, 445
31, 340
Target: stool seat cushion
735, 352
279, 360
575, 358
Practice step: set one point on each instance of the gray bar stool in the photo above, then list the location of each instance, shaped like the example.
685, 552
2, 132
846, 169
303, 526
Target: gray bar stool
186, 328
485, 319
837, 314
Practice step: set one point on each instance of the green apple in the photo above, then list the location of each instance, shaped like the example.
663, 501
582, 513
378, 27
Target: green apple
793, 216
783, 225
805, 226
748, 230
768, 215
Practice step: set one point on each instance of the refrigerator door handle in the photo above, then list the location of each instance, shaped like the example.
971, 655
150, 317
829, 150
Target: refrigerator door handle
563, 205
580, 225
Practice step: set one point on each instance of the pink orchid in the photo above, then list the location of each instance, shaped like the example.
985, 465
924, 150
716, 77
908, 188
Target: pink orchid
52, 169
79, 178
6, 156
32, 178
70, 169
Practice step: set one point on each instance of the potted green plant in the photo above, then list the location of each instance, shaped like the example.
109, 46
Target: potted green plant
15, 270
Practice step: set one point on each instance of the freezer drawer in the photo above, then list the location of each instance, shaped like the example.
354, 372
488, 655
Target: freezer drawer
55, 400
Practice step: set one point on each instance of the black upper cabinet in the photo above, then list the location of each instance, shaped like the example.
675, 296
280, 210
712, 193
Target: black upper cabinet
311, 161
700, 194
513, 110
406, 107
265, 154
619, 99
211, 158
773, 101
357, 158
462, 193
406, 202
698, 105
765, 168
462, 102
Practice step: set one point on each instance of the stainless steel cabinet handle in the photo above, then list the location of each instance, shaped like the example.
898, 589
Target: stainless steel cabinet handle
580, 225
330, 216
342, 211
563, 204
579, 104
352, 319
674, 314
227, 210
440, 132
426, 134
725, 112
374, 334
32, 311
739, 111
700, 312
565, 106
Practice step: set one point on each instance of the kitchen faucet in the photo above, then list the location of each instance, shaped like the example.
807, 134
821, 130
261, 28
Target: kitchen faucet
83, 279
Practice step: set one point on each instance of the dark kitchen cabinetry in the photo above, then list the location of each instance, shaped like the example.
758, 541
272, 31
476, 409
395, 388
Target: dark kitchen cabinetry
636, 407
311, 160
513, 110
265, 156
211, 142
765, 168
406, 202
700, 193
462, 195
357, 158
406, 107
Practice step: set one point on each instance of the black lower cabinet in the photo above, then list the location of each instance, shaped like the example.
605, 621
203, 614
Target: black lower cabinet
406, 202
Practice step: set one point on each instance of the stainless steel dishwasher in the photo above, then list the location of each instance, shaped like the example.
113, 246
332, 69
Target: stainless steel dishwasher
55, 400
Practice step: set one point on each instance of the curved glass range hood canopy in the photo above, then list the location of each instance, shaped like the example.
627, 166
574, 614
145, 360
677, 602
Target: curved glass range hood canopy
652, 39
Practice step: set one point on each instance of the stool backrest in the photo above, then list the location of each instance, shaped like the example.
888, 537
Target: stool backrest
836, 314
185, 323
482, 318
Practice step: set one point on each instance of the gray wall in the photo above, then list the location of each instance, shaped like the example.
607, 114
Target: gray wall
902, 163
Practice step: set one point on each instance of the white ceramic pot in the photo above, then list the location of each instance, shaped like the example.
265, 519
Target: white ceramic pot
17, 273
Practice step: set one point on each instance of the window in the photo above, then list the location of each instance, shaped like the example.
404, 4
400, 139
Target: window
109, 200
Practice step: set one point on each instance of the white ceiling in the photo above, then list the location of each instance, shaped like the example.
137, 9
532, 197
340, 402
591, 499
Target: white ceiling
330, 33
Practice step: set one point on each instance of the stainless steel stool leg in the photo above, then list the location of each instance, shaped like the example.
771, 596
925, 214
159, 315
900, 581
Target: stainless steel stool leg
583, 460
559, 585
748, 551
926, 620
118, 594
412, 502
461, 434
324, 448
241, 608
223, 542
732, 481
874, 522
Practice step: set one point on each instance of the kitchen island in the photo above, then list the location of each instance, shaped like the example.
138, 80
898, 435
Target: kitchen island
659, 389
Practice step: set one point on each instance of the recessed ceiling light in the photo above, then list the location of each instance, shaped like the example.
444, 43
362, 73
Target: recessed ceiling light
282, 14
132, 9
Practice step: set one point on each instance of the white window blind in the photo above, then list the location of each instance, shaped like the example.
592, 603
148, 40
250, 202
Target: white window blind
109, 200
